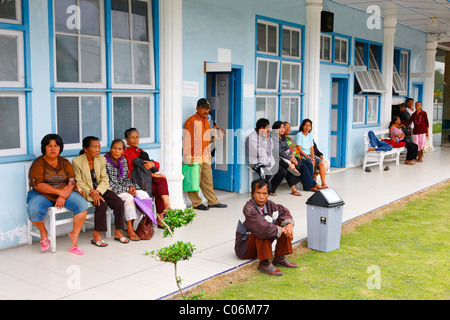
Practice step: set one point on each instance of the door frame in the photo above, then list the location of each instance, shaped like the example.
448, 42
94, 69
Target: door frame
343, 79
234, 119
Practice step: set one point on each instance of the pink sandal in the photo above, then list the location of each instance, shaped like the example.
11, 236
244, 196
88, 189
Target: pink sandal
44, 244
76, 250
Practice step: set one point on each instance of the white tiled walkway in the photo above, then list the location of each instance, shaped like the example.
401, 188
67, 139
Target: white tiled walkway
122, 271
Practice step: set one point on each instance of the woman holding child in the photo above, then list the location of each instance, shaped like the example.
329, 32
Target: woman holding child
143, 171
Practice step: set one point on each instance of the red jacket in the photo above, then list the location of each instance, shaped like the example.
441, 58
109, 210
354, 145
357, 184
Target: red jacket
420, 122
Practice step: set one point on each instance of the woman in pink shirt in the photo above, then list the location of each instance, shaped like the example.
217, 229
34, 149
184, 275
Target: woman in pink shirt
398, 136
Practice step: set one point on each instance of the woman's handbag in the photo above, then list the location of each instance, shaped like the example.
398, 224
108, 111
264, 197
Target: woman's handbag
145, 228
428, 146
191, 181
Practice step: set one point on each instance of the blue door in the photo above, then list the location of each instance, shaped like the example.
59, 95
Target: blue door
220, 93
337, 123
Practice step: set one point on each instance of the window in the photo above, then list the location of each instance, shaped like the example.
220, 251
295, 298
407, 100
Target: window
325, 48
134, 111
12, 124
340, 50
359, 109
10, 11
104, 70
78, 116
13, 91
400, 81
368, 76
279, 72
372, 109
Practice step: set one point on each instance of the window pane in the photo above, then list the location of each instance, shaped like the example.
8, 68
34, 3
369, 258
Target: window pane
122, 116
91, 60
273, 75
120, 19
62, 17
295, 118
140, 20
8, 9
285, 112
66, 58
326, 49
142, 66
91, 116
260, 108
122, 62
272, 39
8, 58
343, 51
286, 76
142, 116
261, 35
9, 123
271, 107
295, 47
337, 50
90, 17
67, 114
295, 77
262, 74
286, 42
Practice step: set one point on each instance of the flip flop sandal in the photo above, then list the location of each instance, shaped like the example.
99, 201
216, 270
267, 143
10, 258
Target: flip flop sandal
100, 243
122, 239
44, 244
296, 193
76, 250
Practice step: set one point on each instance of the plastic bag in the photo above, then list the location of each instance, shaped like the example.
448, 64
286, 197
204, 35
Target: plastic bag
191, 181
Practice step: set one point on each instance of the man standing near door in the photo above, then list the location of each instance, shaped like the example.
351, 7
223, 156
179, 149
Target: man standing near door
196, 148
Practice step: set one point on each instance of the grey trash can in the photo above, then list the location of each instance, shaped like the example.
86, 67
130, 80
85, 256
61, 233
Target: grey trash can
324, 220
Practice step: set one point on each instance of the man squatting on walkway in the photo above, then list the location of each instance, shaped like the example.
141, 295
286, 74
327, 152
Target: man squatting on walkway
263, 222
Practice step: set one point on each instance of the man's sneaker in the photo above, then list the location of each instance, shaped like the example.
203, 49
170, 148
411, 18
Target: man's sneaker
219, 205
201, 207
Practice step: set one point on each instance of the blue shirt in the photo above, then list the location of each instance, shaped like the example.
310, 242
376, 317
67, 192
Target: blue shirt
305, 142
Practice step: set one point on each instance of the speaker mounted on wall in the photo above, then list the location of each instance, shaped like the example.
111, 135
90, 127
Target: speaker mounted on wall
326, 21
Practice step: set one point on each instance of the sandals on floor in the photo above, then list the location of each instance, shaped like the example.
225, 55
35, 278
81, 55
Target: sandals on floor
296, 193
122, 239
100, 243
45, 244
76, 250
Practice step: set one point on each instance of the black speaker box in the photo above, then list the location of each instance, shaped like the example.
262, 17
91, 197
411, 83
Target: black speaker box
326, 21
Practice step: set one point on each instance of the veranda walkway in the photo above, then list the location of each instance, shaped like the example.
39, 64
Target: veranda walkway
122, 271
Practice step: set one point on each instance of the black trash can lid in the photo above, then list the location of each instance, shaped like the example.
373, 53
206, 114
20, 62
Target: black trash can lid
325, 198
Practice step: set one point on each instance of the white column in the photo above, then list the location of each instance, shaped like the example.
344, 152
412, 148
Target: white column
312, 63
171, 63
390, 23
428, 88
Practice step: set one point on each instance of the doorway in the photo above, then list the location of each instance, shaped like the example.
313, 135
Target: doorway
338, 120
223, 91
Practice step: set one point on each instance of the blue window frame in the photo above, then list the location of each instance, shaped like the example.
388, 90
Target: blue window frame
335, 48
15, 84
279, 70
104, 75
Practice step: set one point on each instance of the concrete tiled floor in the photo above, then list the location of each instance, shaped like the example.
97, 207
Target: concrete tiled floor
122, 271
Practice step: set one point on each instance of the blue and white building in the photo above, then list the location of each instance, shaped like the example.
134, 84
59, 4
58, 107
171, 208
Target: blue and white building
97, 67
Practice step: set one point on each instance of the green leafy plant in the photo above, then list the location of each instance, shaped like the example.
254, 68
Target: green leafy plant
177, 251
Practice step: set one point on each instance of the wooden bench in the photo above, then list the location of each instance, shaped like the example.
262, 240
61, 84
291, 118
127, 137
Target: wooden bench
52, 222
373, 158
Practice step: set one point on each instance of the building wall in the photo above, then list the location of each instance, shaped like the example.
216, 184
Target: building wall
208, 25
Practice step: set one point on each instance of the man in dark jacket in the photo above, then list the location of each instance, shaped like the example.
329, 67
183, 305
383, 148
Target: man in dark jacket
263, 222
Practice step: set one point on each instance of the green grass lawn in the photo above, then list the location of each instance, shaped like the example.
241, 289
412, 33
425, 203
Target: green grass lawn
406, 249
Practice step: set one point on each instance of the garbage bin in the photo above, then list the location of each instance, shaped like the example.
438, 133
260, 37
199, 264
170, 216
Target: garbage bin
324, 220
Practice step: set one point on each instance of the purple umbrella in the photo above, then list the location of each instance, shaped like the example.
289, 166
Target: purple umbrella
146, 206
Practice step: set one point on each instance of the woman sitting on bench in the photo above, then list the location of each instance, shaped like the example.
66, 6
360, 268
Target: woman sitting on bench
52, 178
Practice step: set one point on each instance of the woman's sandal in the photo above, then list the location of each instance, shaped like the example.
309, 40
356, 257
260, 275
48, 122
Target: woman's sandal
296, 193
122, 239
76, 250
45, 244
100, 243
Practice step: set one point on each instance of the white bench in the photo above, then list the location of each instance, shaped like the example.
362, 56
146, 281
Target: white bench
52, 221
373, 158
